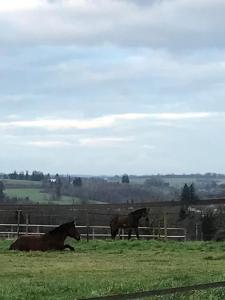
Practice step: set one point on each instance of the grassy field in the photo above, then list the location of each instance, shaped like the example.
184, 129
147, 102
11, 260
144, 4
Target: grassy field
33, 190
36, 195
28, 183
106, 267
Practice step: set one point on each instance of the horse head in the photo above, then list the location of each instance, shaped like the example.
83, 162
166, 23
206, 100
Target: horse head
140, 213
73, 232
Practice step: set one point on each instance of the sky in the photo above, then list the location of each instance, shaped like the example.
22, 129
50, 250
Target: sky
112, 86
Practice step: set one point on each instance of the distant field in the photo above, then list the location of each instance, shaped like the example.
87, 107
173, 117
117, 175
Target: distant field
105, 268
28, 183
176, 182
36, 195
32, 189
179, 182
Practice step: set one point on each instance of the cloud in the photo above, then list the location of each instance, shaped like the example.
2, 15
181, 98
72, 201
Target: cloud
18, 5
65, 141
48, 144
104, 141
16, 98
170, 24
130, 75
104, 121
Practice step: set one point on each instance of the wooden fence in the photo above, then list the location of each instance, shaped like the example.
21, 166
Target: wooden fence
162, 292
94, 232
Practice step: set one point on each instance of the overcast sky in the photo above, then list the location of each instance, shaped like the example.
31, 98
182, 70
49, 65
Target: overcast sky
112, 86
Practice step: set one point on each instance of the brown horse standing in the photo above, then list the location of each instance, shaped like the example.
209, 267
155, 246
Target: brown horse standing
131, 221
53, 240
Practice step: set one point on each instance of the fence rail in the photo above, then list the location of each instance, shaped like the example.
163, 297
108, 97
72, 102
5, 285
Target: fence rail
162, 292
94, 232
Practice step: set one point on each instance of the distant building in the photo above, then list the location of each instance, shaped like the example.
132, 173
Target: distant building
52, 180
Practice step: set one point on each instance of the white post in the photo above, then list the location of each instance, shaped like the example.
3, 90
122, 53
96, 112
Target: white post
122, 233
165, 226
27, 223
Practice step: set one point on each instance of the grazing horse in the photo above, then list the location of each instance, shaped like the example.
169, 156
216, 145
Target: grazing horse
53, 240
131, 221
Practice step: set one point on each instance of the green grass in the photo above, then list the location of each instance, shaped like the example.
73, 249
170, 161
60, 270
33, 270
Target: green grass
33, 190
36, 195
106, 267
27, 183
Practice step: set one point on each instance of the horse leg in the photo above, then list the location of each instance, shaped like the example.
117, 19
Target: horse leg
137, 233
129, 233
68, 247
114, 233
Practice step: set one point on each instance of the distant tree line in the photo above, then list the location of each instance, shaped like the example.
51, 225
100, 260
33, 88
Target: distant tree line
34, 176
99, 189
194, 175
123, 190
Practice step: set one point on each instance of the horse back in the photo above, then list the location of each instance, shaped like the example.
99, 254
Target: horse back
119, 222
27, 243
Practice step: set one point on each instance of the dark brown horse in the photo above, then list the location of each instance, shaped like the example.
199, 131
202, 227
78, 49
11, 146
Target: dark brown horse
53, 240
131, 221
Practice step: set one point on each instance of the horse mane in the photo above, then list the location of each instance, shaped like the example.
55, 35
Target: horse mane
138, 211
60, 228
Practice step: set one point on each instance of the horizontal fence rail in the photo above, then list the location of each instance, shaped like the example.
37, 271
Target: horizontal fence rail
162, 292
94, 232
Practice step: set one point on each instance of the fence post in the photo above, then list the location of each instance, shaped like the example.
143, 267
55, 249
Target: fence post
165, 225
27, 223
159, 230
185, 234
196, 232
18, 222
93, 233
87, 226
123, 234
12, 235
153, 232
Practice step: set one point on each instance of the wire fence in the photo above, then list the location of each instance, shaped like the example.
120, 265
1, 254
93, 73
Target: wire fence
162, 292
93, 232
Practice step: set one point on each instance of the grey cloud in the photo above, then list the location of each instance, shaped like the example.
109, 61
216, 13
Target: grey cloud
172, 24
67, 84
66, 60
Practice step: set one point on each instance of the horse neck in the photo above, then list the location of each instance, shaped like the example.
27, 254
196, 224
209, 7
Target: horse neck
139, 215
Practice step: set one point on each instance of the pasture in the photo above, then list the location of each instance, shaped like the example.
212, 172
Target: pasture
106, 267
36, 195
34, 191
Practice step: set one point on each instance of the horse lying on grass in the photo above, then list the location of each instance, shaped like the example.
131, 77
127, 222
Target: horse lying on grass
131, 221
53, 240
